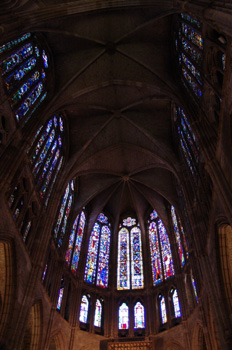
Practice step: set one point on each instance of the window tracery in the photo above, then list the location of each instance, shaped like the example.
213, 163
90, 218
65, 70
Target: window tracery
160, 250
97, 262
139, 316
98, 314
189, 45
180, 236
123, 316
24, 65
130, 262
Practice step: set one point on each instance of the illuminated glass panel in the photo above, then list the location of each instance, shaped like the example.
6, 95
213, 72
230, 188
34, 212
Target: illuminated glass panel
177, 235
102, 218
137, 280
91, 261
189, 45
84, 309
23, 71
61, 292
103, 260
46, 153
71, 241
139, 316
176, 304
194, 288
223, 61
26, 232
129, 222
98, 314
154, 215
157, 273
123, 316
45, 272
78, 242
123, 275
165, 251
163, 310
187, 141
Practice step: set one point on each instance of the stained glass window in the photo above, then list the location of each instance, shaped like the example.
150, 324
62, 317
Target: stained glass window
139, 316
60, 297
98, 314
97, 262
75, 240
188, 141
84, 309
194, 288
176, 303
123, 316
130, 262
189, 45
179, 231
23, 66
163, 311
63, 214
46, 155
160, 250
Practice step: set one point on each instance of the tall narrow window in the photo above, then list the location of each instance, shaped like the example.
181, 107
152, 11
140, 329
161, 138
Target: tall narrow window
75, 240
175, 303
160, 250
84, 309
188, 141
98, 314
130, 262
163, 311
180, 236
46, 155
63, 213
61, 294
97, 263
139, 316
123, 316
24, 64
194, 288
189, 45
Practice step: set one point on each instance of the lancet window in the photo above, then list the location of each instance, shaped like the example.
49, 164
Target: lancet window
187, 141
61, 294
139, 316
63, 214
84, 309
175, 303
46, 155
130, 261
160, 250
97, 262
24, 65
75, 241
98, 314
180, 236
123, 316
189, 45
163, 310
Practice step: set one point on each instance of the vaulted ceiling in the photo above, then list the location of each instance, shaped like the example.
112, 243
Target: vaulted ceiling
114, 80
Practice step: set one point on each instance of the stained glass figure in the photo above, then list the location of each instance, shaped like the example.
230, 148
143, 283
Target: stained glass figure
98, 314
177, 235
45, 155
23, 72
160, 250
163, 311
188, 141
189, 45
75, 241
97, 262
59, 302
176, 303
194, 288
84, 309
123, 316
63, 215
139, 316
130, 261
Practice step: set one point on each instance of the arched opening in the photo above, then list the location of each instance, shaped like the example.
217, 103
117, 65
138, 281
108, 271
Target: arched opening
33, 331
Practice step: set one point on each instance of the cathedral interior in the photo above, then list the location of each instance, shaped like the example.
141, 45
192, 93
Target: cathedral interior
115, 175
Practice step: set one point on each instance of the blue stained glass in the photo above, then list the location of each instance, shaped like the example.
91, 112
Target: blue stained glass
16, 58
123, 274
176, 304
45, 59
24, 88
157, 273
61, 292
71, 241
191, 20
165, 251
43, 153
67, 212
84, 309
137, 278
154, 215
78, 242
6, 47
61, 212
191, 82
91, 261
177, 235
55, 120
61, 124
129, 222
163, 310
49, 175
102, 218
123, 317
18, 74
98, 314
28, 227
103, 262
54, 180
48, 161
